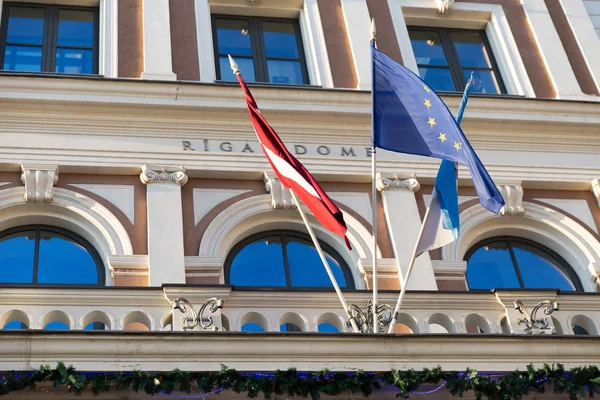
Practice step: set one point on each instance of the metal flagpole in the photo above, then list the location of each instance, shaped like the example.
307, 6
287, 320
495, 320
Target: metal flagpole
404, 282
324, 261
374, 196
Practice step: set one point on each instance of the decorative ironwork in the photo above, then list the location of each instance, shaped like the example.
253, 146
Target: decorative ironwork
365, 321
532, 322
206, 322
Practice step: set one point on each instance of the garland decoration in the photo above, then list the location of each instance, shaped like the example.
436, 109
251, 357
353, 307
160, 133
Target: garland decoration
578, 382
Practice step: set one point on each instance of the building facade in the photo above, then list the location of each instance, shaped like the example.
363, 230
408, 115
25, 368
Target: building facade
131, 178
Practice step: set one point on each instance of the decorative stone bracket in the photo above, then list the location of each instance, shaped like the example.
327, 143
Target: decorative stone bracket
513, 197
163, 174
596, 189
397, 182
444, 6
280, 196
39, 180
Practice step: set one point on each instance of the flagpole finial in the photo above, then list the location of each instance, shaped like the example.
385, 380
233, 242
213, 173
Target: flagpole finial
234, 66
373, 30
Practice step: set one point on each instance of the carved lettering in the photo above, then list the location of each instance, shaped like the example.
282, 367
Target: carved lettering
369, 151
205, 145
299, 149
347, 153
323, 150
226, 146
187, 145
247, 148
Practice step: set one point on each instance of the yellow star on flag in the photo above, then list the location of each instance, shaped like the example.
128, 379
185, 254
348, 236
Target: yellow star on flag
426, 88
431, 122
427, 103
442, 137
457, 146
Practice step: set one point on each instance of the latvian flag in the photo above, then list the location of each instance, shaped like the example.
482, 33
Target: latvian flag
292, 173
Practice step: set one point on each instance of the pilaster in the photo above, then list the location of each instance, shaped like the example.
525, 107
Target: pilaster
358, 28
39, 181
158, 63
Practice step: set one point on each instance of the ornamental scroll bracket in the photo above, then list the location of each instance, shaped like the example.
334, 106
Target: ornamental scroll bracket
201, 318
533, 324
445, 6
39, 181
281, 199
596, 189
513, 197
163, 174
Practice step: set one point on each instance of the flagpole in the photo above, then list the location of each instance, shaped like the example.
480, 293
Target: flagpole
404, 281
324, 261
374, 197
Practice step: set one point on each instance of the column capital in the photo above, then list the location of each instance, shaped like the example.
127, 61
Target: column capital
39, 180
397, 182
163, 174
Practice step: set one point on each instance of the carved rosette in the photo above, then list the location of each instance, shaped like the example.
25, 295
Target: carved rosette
39, 181
397, 182
154, 174
513, 198
445, 6
280, 196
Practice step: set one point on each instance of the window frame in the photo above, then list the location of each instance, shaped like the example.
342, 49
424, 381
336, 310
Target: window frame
563, 265
298, 236
451, 54
257, 43
50, 39
64, 232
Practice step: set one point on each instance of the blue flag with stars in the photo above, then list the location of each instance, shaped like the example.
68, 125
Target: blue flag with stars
409, 117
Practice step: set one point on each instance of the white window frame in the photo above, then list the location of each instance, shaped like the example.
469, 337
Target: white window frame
489, 17
307, 11
107, 26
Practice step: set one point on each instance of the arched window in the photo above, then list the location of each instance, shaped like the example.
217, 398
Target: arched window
511, 262
48, 255
283, 259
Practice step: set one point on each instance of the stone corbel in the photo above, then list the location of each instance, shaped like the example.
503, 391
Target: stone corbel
397, 182
280, 196
513, 197
162, 174
596, 189
39, 180
445, 6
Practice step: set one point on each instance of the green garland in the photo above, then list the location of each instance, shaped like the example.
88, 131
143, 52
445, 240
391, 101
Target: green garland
577, 383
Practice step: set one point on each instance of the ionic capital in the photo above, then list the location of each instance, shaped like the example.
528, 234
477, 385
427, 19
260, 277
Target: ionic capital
397, 182
162, 174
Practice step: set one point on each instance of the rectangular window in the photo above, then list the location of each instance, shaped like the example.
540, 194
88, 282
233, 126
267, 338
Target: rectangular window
447, 57
265, 49
49, 38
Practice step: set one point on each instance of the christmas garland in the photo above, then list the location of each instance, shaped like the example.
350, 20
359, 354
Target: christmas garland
577, 383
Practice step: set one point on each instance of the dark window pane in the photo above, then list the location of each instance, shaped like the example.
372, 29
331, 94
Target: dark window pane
490, 267
233, 37
252, 327
306, 268
439, 79
280, 39
246, 66
57, 326
74, 61
25, 25
76, 28
23, 58
471, 50
483, 81
539, 269
259, 264
61, 260
281, 71
95, 326
428, 48
579, 330
16, 257
325, 327
289, 327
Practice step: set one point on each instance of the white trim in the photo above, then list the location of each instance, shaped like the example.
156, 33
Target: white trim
358, 29
541, 224
255, 214
108, 53
585, 35
488, 16
313, 39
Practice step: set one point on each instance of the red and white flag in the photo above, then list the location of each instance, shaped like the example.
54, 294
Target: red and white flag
292, 173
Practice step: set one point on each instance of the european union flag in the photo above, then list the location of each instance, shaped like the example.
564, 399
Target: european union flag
409, 117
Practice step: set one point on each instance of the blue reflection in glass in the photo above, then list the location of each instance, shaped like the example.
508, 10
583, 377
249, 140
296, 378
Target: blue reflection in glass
306, 268
325, 327
74, 61
437, 78
25, 25
539, 269
23, 58
246, 66
76, 28
95, 326
56, 326
259, 264
483, 81
15, 325
63, 261
280, 39
427, 47
579, 330
17, 257
491, 267
233, 37
471, 50
289, 327
284, 71
252, 327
